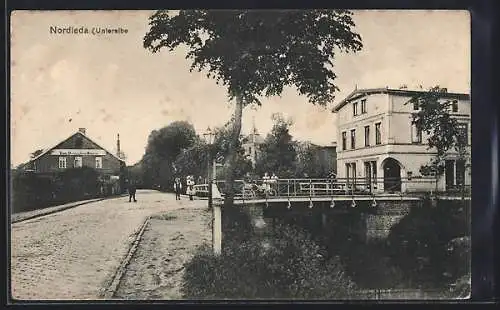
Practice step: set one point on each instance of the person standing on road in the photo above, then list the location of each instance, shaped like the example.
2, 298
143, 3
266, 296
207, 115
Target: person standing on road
131, 191
177, 188
190, 186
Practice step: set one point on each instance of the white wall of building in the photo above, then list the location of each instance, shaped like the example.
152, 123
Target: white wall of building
397, 139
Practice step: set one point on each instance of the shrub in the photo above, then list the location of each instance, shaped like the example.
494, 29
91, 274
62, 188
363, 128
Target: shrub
371, 268
419, 243
287, 267
458, 258
461, 288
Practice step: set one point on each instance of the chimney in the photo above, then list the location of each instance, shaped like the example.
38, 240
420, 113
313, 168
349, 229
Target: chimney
118, 151
81, 130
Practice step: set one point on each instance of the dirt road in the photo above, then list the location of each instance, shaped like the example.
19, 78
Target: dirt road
156, 269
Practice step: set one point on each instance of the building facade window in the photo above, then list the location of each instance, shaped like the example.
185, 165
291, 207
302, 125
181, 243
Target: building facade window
416, 134
355, 108
353, 138
78, 162
378, 136
371, 174
344, 141
455, 173
460, 168
350, 174
98, 162
454, 106
463, 133
363, 106
416, 106
62, 162
367, 135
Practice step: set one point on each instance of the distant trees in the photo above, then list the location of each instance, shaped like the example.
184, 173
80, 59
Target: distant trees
178, 150
193, 160
278, 152
223, 151
286, 157
163, 147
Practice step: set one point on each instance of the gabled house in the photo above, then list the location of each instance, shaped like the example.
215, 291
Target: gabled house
79, 151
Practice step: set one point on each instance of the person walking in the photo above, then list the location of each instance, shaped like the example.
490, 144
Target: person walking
177, 188
131, 191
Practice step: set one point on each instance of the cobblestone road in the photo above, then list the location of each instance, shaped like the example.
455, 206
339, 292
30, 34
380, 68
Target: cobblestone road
74, 253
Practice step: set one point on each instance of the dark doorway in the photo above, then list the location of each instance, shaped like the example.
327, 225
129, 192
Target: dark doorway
450, 174
392, 175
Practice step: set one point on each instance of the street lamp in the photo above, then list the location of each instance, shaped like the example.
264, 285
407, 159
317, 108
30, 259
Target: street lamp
209, 137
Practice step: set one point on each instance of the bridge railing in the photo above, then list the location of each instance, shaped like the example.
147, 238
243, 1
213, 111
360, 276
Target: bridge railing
331, 187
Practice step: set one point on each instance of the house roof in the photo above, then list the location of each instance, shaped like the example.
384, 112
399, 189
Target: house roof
402, 92
76, 133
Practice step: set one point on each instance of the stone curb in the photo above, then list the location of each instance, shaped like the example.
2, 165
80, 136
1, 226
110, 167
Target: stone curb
110, 291
57, 209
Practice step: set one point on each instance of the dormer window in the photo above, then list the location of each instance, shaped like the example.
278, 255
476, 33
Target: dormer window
355, 108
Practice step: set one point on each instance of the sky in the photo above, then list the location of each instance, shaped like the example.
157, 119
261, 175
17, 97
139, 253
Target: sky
109, 84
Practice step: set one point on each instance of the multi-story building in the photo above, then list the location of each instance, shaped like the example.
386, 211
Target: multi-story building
379, 145
78, 151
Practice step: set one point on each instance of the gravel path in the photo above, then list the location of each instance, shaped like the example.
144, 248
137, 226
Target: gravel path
156, 270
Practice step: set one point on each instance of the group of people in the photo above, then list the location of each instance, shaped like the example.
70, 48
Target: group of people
189, 187
270, 182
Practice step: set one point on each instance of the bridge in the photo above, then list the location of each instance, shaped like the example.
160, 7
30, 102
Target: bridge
332, 190
390, 199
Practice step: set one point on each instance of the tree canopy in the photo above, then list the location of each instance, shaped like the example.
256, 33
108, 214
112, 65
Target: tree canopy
278, 153
443, 130
259, 52
255, 53
163, 147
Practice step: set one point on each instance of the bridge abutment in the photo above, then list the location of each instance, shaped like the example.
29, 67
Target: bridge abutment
387, 214
259, 222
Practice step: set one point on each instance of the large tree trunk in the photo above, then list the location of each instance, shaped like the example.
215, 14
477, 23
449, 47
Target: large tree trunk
233, 147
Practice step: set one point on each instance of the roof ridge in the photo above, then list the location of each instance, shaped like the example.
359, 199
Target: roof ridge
75, 133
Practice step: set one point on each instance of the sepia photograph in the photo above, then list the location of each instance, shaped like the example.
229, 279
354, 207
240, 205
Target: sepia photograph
240, 155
